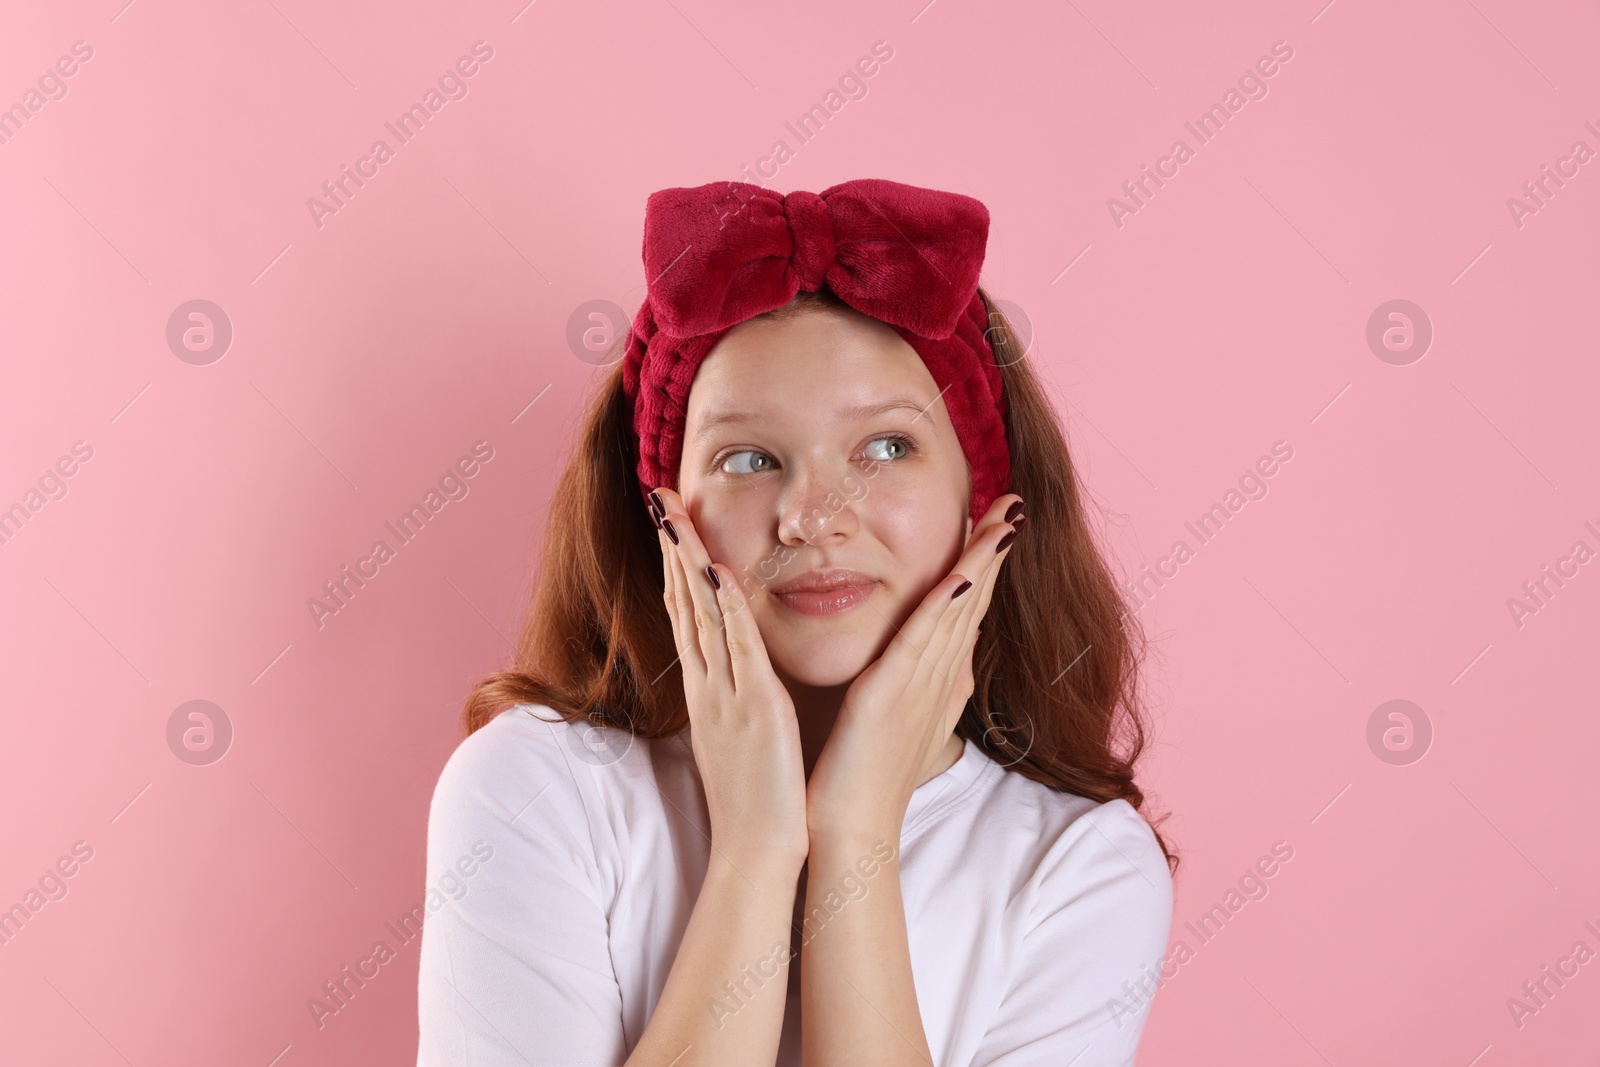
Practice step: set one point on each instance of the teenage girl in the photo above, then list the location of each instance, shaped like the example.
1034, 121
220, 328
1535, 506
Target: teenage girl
819, 743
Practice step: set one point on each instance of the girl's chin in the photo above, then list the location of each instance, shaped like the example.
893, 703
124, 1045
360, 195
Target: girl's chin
819, 666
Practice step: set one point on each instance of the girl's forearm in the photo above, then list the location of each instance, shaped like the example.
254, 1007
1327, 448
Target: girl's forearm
723, 1002
858, 1002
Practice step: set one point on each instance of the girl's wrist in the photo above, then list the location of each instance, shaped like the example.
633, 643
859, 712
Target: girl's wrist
835, 857
764, 867
856, 836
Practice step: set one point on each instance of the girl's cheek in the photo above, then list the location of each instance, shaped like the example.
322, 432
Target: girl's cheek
733, 528
902, 512
923, 526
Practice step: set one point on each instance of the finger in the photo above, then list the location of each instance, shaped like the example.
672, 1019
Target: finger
913, 647
680, 607
985, 590
705, 611
961, 691
965, 685
1002, 515
983, 596
747, 651
981, 561
927, 633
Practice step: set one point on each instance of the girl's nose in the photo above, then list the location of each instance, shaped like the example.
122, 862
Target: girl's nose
814, 509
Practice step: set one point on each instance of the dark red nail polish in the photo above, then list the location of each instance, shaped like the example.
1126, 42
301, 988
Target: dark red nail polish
1005, 542
1013, 511
711, 572
656, 500
672, 535
962, 588
1022, 520
655, 516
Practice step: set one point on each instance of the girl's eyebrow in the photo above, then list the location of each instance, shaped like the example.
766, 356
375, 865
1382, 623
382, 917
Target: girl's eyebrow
853, 413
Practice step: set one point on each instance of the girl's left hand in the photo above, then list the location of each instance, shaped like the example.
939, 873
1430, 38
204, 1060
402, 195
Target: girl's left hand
899, 713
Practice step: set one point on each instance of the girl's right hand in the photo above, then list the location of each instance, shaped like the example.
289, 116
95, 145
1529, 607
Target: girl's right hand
743, 730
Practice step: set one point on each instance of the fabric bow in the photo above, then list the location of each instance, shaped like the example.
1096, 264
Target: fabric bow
720, 253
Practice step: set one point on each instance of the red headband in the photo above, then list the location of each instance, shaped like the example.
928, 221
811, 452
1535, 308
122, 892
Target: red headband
720, 253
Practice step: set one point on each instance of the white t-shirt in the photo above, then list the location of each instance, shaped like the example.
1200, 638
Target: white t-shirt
568, 858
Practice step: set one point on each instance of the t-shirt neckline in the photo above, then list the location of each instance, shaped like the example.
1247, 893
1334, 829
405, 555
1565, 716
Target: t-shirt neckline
930, 799
939, 793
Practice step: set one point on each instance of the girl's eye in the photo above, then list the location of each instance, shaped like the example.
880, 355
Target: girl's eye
886, 449
747, 462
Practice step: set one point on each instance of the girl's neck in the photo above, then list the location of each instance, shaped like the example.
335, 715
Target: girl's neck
817, 709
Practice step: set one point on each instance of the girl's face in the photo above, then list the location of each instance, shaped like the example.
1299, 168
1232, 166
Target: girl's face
821, 467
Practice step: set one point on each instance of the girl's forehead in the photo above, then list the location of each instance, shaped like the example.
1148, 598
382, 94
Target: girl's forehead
811, 359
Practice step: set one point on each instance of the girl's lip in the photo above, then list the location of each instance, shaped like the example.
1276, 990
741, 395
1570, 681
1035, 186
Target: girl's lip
834, 601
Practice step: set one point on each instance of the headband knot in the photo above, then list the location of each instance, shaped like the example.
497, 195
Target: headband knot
811, 227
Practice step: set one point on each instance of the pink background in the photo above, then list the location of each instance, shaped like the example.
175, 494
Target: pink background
368, 354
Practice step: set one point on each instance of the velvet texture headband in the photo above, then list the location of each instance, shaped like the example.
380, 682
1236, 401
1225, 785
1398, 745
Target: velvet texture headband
718, 254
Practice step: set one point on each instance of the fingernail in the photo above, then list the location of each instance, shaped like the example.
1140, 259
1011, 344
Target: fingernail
1013, 511
1005, 542
711, 572
1020, 523
666, 524
655, 516
656, 500
962, 588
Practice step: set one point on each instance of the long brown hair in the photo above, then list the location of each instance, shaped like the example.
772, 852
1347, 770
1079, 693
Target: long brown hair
1056, 671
